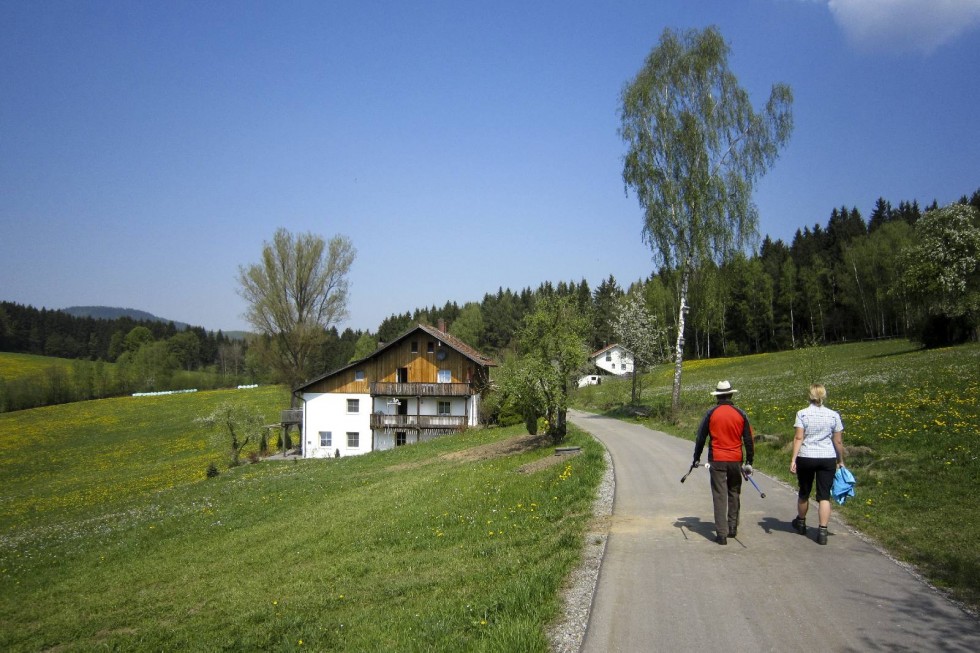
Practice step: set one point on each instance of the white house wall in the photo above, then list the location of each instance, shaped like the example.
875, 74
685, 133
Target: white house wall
327, 412
619, 361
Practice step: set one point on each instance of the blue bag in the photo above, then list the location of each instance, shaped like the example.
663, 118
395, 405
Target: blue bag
843, 485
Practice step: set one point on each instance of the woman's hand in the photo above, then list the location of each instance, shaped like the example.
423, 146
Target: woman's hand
792, 466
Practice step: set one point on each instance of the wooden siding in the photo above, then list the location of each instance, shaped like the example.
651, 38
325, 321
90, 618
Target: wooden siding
414, 422
421, 389
422, 366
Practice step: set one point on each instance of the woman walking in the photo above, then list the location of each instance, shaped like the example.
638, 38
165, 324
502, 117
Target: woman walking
818, 451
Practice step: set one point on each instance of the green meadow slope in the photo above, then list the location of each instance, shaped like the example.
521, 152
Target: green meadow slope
112, 537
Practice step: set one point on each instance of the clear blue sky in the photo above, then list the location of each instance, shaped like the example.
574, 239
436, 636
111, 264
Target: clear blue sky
148, 149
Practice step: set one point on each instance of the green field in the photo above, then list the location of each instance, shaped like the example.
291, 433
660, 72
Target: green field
112, 537
911, 427
16, 366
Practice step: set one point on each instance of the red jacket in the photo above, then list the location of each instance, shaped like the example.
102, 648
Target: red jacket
729, 429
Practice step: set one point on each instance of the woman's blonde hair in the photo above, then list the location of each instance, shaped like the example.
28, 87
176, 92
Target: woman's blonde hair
818, 394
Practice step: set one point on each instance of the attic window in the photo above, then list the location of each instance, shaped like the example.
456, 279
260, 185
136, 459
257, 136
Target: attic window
431, 347
609, 356
359, 375
415, 346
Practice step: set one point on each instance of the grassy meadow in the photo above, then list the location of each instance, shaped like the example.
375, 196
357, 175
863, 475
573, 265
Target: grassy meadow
112, 537
911, 433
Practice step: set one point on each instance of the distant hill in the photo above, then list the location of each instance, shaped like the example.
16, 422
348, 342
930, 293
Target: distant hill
112, 313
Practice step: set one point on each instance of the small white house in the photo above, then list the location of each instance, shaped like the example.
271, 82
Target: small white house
614, 359
424, 384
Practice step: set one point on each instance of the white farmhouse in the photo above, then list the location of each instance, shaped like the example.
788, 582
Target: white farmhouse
613, 359
424, 384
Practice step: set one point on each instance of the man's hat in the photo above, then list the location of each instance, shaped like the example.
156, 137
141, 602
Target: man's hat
724, 388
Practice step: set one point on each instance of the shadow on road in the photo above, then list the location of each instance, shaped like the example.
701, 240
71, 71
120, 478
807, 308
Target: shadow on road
696, 526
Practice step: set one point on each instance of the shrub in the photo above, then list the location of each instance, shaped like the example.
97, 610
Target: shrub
212, 470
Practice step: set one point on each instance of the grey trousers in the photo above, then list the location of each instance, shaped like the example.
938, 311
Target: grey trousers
726, 487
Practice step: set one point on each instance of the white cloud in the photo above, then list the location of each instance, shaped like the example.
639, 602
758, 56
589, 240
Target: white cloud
918, 25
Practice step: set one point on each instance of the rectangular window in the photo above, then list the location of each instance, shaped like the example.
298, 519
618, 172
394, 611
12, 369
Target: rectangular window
353, 405
326, 439
444, 408
609, 356
614, 365
415, 346
431, 347
352, 440
445, 376
400, 439
359, 375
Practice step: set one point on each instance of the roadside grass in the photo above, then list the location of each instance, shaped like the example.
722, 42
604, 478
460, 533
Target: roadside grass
409, 550
911, 428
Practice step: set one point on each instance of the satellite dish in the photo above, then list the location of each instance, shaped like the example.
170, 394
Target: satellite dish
441, 355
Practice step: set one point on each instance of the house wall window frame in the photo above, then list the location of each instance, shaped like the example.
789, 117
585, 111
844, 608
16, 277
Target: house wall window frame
359, 375
444, 376
444, 408
353, 440
326, 438
353, 406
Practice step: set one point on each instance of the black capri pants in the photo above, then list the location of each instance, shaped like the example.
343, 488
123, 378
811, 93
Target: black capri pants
823, 469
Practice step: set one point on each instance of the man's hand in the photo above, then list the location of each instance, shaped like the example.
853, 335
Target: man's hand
746, 470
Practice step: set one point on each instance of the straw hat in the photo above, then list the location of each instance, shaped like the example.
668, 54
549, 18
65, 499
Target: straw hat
724, 388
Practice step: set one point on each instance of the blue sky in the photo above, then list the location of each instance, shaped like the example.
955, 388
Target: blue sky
147, 150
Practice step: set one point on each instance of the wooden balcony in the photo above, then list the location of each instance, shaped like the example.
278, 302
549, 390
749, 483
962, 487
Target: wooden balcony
380, 388
291, 416
415, 422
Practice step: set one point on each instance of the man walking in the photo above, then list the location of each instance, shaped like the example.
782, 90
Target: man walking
729, 431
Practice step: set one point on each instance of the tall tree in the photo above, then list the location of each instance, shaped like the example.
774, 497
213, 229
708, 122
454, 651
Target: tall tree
294, 295
638, 331
942, 271
552, 344
695, 148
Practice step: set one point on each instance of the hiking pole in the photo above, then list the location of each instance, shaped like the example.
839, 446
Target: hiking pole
693, 465
752, 481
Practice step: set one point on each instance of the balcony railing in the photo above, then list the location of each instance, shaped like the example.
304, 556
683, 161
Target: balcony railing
410, 422
291, 416
420, 389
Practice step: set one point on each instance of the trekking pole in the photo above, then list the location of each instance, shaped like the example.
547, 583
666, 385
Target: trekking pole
752, 481
693, 465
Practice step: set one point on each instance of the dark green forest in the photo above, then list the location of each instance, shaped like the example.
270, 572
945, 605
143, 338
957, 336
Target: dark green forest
853, 278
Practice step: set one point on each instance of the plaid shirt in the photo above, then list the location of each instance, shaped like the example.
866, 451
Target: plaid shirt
819, 424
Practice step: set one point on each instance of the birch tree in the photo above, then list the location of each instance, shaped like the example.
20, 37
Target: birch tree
695, 147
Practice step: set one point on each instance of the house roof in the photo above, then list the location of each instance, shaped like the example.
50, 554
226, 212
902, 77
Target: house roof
607, 348
442, 336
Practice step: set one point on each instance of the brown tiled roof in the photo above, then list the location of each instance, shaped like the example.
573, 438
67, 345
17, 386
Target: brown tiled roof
451, 340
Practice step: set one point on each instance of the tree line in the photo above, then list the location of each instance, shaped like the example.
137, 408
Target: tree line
841, 281
112, 357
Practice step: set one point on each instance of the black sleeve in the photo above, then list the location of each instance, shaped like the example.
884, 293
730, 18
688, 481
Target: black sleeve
748, 439
702, 436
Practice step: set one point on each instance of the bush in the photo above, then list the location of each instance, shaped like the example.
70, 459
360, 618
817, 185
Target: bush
212, 470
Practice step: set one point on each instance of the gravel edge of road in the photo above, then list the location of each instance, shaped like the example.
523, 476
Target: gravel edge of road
568, 632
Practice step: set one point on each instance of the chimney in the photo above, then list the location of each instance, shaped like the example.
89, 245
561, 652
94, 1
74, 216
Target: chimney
442, 325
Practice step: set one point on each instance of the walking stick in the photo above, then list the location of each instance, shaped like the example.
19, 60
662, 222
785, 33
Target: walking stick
752, 481
693, 465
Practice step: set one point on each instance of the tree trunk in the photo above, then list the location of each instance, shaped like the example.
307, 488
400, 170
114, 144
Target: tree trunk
675, 400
